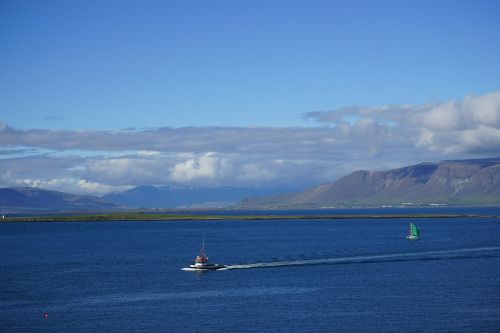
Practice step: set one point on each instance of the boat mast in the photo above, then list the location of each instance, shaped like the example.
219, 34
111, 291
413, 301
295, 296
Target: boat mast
202, 251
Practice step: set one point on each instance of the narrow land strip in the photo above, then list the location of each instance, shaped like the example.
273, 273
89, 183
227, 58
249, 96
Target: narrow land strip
193, 217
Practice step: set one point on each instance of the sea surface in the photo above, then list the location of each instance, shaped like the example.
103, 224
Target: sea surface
282, 276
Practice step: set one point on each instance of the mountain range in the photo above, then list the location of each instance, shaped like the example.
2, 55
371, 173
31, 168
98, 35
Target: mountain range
31, 199
185, 197
460, 182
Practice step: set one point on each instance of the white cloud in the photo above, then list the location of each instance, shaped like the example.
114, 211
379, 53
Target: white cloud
469, 126
206, 167
443, 117
131, 170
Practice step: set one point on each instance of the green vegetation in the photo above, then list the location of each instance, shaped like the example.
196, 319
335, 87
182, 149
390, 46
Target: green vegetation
137, 216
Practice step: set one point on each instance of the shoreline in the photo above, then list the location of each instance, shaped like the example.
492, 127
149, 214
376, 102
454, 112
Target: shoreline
118, 217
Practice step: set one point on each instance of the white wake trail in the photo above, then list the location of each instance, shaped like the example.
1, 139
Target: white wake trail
440, 254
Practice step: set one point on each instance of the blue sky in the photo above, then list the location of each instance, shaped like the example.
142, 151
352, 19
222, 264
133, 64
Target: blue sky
119, 64
70, 68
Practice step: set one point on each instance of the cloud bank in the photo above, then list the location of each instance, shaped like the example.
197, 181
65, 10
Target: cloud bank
344, 140
469, 126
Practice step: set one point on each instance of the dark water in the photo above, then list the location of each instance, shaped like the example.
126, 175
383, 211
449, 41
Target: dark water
343, 276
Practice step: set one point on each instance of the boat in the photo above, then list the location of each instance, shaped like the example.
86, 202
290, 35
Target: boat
201, 261
413, 232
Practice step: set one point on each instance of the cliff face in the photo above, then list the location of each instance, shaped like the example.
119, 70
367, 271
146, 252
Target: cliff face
449, 182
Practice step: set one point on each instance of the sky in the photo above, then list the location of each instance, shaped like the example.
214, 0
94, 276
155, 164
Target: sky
101, 96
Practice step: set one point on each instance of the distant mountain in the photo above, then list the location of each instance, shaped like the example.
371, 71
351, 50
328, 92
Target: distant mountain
185, 197
24, 199
463, 182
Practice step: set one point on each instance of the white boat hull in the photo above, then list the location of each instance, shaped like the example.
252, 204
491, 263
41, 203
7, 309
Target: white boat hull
412, 237
207, 267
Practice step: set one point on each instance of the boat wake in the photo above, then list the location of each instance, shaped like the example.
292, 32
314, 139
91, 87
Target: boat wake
413, 256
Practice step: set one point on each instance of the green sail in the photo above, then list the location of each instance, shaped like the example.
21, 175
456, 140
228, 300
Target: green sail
414, 230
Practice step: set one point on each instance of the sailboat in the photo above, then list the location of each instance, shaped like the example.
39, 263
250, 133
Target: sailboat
201, 261
413, 232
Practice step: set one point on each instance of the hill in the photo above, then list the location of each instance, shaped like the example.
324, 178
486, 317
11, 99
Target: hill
23, 199
461, 182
